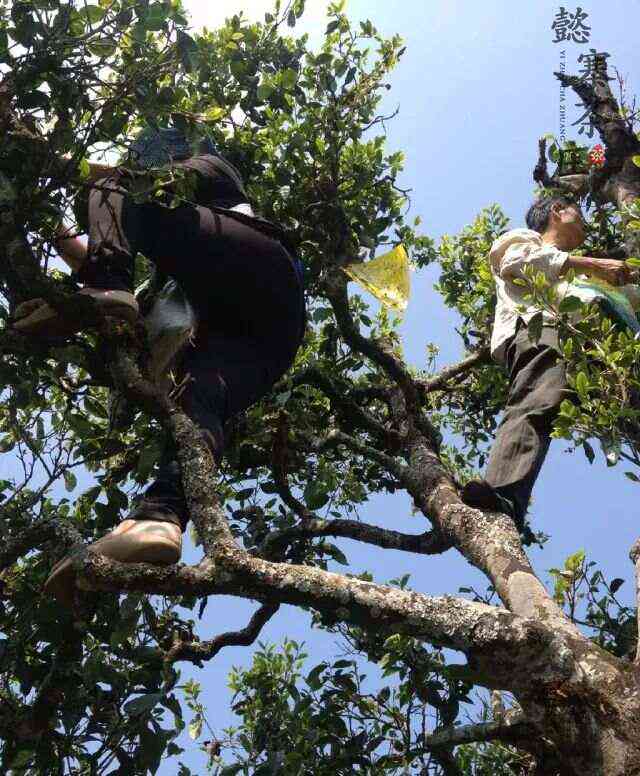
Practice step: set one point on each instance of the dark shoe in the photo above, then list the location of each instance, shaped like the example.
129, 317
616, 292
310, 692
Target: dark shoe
481, 495
157, 509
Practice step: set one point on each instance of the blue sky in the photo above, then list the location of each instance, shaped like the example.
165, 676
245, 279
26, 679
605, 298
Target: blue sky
476, 90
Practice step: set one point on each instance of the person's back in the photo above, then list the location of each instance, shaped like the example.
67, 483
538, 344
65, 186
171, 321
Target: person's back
247, 290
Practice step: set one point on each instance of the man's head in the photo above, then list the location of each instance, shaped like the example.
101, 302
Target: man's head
559, 219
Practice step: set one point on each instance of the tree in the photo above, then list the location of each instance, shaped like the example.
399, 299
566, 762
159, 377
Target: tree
90, 694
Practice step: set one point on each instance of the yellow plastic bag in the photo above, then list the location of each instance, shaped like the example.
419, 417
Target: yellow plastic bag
386, 277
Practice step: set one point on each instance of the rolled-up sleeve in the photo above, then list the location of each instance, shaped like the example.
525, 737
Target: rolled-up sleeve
543, 258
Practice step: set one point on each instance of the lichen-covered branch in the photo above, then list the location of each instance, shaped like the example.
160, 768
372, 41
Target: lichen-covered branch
634, 554
37, 535
510, 729
495, 640
196, 462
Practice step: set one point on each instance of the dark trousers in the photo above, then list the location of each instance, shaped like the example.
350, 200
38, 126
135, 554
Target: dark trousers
537, 386
246, 293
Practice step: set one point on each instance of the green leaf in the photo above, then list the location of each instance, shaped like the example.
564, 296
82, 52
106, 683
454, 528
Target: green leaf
313, 678
94, 406
568, 349
92, 13
336, 554
636, 159
582, 383
315, 495
84, 169
588, 451
573, 562
155, 17
570, 304
103, 47
70, 481
264, 91
615, 585
231, 770
187, 51
632, 261
534, 327
289, 78
195, 728
142, 704
215, 114
151, 750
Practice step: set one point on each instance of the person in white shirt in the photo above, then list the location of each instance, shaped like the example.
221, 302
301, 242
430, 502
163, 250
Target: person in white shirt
537, 379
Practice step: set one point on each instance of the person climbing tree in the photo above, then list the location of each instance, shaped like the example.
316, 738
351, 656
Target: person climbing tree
239, 273
537, 379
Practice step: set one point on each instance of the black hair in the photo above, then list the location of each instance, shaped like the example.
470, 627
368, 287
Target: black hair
537, 217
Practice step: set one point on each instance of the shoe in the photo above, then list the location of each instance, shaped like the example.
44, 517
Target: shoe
133, 541
38, 318
479, 494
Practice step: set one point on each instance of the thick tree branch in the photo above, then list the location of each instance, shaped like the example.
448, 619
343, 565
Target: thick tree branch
634, 554
505, 650
619, 179
488, 540
510, 729
619, 140
35, 536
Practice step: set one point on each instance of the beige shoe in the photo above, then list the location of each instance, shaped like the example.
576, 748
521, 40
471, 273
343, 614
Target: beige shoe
133, 541
38, 318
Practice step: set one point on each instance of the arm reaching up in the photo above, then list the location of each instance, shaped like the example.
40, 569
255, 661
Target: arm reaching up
613, 271
71, 249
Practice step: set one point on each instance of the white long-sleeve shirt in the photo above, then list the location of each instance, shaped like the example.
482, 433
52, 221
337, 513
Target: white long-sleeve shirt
508, 255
